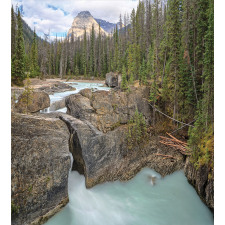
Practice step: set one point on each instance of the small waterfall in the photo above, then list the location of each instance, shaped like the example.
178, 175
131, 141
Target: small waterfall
46, 110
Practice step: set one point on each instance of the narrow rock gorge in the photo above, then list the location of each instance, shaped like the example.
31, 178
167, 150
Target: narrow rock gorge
98, 126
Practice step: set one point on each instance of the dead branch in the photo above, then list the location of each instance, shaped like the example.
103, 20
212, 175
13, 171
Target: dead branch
177, 139
175, 143
165, 156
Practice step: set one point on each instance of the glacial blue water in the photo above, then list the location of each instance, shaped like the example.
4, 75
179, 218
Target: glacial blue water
171, 201
79, 86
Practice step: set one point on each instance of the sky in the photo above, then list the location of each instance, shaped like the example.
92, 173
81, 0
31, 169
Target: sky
57, 15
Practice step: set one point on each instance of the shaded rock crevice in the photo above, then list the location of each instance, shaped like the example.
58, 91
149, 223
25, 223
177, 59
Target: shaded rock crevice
105, 157
199, 179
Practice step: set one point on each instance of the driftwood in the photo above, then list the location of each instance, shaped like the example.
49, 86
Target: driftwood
175, 143
165, 156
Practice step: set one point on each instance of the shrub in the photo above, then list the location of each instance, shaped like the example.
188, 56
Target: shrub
137, 130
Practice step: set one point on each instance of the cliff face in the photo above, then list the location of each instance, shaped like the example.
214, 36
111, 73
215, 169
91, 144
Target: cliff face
98, 141
107, 26
40, 163
84, 20
204, 186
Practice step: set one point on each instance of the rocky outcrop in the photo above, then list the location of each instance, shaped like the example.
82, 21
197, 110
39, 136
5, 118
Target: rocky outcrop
40, 163
56, 87
85, 20
200, 180
113, 79
104, 156
32, 103
57, 105
107, 110
107, 26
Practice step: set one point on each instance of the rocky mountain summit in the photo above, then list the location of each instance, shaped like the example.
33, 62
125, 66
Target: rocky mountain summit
84, 20
107, 26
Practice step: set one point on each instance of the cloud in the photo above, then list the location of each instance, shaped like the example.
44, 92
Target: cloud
57, 16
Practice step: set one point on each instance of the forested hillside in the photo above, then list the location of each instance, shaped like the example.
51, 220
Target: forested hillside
168, 47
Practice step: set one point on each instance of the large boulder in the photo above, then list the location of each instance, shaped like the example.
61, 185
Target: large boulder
105, 157
113, 79
108, 109
200, 180
36, 102
57, 105
40, 163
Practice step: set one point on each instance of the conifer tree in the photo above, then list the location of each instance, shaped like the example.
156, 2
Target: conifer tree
124, 83
142, 73
18, 60
131, 62
174, 33
27, 94
34, 68
13, 32
92, 51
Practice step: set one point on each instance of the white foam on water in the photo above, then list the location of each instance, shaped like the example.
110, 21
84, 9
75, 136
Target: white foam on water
171, 201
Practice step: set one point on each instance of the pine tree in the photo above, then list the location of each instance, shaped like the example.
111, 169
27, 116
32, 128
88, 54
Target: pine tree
76, 71
34, 68
27, 94
13, 32
124, 83
201, 26
92, 52
116, 51
18, 61
131, 63
174, 35
142, 73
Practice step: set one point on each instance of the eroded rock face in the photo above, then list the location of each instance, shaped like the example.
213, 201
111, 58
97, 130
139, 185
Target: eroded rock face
113, 79
57, 105
200, 181
104, 156
56, 87
40, 163
84, 19
107, 110
38, 101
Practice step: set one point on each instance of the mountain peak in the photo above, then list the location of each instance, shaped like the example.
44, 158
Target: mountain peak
85, 20
84, 14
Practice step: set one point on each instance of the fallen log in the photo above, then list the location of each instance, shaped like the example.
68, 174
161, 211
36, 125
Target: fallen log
177, 139
175, 143
177, 146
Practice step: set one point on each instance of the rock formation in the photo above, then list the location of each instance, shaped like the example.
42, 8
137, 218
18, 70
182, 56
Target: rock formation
107, 110
98, 126
84, 20
105, 157
199, 179
40, 163
107, 26
32, 103
56, 87
113, 79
